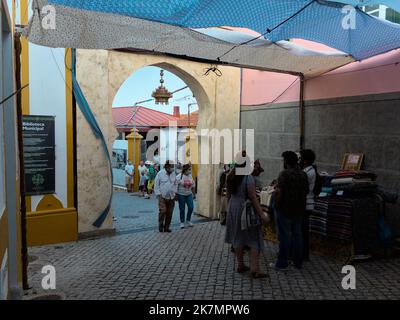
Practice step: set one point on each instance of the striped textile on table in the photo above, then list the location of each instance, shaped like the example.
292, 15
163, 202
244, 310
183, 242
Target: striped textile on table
318, 218
332, 217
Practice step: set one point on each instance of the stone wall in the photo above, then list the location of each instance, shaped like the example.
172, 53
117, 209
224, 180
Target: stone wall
92, 166
365, 124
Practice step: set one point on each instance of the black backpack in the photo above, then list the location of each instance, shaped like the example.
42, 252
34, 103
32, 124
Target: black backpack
318, 183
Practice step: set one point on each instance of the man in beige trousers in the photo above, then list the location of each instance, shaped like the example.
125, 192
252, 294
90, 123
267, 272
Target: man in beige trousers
165, 188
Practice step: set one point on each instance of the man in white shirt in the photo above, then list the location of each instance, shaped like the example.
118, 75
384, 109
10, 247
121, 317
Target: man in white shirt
307, 158
165, 188
129, 176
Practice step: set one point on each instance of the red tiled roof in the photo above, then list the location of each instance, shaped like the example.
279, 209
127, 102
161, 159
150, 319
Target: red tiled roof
183, 121
145, 118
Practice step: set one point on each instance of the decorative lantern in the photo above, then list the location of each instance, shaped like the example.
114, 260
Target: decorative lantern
161, 94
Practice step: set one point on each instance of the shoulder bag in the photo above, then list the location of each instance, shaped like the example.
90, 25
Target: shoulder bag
249, 218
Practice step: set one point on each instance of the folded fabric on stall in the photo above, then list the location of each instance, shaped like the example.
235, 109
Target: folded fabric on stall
349, 180
355, 174
355, 190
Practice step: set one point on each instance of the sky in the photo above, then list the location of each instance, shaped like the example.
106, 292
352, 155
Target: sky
140, 85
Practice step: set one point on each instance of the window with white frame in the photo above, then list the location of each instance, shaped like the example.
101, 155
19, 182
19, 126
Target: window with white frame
383, 12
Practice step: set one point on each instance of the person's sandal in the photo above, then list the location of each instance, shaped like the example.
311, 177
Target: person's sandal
243, 269
258, 275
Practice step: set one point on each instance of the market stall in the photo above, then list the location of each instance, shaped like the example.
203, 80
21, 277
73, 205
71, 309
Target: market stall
348, 216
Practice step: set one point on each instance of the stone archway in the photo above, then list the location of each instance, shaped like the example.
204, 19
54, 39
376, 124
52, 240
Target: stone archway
100, 74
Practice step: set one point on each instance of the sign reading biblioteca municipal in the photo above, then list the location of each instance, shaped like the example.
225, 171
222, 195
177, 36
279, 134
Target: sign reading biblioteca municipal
39, 154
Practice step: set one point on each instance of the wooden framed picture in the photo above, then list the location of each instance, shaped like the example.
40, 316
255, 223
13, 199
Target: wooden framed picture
352, 161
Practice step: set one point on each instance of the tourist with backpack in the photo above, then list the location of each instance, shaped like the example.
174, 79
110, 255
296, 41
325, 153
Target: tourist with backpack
307, 158
290, 199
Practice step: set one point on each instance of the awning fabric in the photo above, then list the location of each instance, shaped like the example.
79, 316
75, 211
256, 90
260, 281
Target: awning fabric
182, 28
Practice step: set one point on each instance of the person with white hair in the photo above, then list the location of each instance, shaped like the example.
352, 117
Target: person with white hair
129, 176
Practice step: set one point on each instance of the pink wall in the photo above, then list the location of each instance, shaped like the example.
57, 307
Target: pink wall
380, 74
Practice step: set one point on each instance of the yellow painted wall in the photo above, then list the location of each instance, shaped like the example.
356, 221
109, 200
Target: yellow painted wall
134, 138
19, 231
52, 226
192, 153
23, 14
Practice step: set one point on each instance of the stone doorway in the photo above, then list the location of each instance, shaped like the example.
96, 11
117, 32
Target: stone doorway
100, 74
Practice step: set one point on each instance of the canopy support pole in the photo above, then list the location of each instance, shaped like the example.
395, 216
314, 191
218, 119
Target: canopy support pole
302, 113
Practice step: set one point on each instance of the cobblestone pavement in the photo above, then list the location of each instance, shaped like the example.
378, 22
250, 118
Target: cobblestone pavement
196, 264
133, 213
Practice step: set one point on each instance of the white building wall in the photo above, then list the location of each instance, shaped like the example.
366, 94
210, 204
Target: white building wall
48, 97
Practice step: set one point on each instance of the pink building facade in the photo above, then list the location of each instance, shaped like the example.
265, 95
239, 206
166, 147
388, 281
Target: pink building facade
355, 108
377, 75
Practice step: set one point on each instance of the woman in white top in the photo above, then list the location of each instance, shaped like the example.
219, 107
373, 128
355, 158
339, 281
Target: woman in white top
129, 176
307, 158
185, 193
